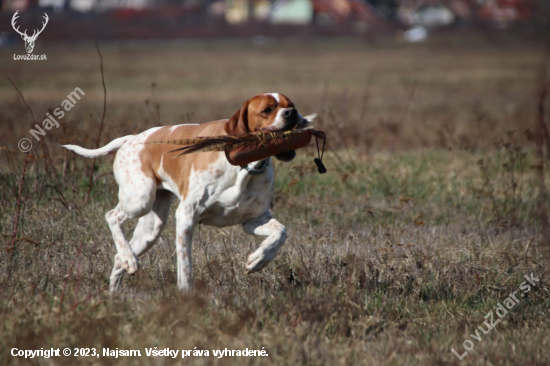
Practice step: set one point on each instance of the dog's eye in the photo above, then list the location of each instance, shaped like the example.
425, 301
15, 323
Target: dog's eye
267, 110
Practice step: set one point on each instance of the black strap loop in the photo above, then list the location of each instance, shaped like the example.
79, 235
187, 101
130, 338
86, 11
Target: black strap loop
319, 160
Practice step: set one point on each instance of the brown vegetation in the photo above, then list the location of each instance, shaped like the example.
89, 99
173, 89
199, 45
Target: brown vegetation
425, 221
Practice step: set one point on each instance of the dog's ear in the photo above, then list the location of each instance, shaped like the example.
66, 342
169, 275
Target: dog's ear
238, 124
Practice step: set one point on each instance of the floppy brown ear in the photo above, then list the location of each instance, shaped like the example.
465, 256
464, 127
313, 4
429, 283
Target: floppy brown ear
238, 123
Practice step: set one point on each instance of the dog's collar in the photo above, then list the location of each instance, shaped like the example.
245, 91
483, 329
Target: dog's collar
260, 169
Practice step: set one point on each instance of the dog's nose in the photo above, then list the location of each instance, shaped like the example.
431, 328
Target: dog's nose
290, 113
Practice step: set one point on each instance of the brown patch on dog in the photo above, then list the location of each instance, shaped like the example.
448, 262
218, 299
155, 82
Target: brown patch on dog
252, 117
178, 169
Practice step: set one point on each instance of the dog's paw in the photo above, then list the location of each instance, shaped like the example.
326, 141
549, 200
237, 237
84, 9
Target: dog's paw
127, 262
258, 260
255, 262
114, 286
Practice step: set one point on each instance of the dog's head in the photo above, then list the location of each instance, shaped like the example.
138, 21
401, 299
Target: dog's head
266, 112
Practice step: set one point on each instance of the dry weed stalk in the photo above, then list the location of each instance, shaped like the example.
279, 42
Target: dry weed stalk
540, 139
23, 99
91, 182
11, 248
14, 239
47, 163
47, 157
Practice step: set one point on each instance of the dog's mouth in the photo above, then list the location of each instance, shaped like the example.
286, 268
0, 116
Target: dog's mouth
294, 122
289, 125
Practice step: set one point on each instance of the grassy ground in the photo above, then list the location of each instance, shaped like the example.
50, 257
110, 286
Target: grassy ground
420, 228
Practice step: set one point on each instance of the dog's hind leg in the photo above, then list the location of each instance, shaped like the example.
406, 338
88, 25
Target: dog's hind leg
264, 225
146, 233
135, 199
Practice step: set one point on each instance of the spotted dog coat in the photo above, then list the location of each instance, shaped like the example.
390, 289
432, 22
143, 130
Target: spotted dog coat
209, 189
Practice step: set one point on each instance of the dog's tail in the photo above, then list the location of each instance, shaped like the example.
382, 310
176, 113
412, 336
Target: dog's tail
110, 148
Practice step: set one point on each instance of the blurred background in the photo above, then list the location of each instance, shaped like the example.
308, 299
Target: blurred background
411, 20
382, 74
143, 19
430, 214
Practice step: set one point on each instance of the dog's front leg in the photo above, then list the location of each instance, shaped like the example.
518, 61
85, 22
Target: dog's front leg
264, 225
185, 223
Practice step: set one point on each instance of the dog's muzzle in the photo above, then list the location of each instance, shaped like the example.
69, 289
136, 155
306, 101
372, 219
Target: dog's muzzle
290, 119
287, 121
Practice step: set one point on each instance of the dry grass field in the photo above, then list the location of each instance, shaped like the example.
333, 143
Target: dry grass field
426, 221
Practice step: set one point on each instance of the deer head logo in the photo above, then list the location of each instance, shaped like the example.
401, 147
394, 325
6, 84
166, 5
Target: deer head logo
29, 41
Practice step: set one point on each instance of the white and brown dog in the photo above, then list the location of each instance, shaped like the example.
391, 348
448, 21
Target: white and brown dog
210, 190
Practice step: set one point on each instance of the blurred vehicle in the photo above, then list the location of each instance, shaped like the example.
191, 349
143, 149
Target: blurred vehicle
427, 15
415, 34
339, 11
504, 12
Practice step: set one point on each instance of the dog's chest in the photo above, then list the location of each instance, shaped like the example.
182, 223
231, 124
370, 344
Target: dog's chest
231, 197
